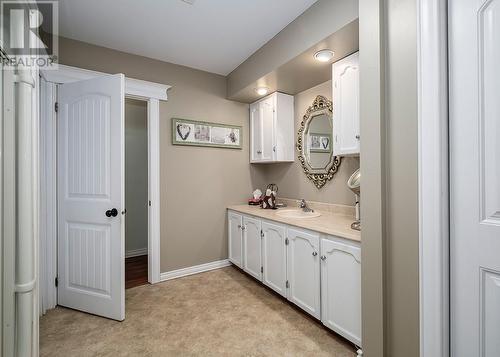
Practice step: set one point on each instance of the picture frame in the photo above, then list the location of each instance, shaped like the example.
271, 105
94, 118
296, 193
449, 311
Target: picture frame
201, 133
320, 142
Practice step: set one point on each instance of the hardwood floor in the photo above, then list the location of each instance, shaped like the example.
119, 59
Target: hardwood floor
136, 271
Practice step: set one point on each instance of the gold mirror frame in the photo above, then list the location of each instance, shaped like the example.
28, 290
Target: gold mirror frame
321, 105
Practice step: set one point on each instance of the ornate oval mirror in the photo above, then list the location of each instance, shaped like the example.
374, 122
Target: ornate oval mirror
314, 142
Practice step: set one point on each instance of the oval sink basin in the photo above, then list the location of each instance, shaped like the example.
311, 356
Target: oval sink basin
297, 214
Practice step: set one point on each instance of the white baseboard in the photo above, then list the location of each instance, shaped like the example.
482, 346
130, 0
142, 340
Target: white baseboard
136, 252
174, 274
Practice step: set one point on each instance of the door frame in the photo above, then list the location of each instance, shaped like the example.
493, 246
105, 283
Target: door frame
433, 180
146, 91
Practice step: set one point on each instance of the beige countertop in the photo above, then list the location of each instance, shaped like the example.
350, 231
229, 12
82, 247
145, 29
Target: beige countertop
331, 223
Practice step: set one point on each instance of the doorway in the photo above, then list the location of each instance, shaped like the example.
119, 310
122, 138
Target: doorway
149, 94
136, 193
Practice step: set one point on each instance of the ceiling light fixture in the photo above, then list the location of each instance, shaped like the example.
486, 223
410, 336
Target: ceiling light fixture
262, 90
324, 55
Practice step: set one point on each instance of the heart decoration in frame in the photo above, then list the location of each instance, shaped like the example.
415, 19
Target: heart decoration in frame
183, 130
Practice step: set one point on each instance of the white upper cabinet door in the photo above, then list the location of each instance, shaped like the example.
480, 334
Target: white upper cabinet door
272, 129
235, 236
252, 247
341, 288
268, 137
256, 132
274, 256
90, 167
304, 270
346, 106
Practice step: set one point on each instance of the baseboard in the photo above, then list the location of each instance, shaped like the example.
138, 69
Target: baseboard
136, 252
174, 274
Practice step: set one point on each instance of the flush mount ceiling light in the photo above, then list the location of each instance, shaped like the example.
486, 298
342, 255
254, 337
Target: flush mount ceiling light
262, 90
324, 55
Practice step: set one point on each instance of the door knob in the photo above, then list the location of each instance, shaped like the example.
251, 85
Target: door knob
112, 212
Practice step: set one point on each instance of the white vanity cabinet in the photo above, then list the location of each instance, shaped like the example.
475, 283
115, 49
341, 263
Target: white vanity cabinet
235, 238
319, 273
341, 287
252, 244
274, 256
272, 129
346, 106
303, 270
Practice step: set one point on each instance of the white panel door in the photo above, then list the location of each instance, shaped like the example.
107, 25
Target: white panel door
252, 247
341, 288
474, 59
268, 141
235, 237
255, 132
303, 270
91, 246
274, 256
346, 105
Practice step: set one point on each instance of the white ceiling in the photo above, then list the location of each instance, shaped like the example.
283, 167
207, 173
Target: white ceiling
212, 35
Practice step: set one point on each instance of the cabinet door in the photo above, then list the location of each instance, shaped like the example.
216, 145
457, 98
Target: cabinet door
235, 238
274, 257
268, 140
303, 270
252, 243
341, 288
346, 105
255, 132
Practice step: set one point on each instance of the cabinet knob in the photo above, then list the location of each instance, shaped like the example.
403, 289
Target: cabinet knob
259, 151
323, 257
315, 254
358, 137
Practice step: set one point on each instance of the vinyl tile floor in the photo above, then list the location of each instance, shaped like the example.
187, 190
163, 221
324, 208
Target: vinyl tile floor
218, 313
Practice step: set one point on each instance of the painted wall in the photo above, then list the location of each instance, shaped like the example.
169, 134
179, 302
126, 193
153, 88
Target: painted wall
389, 156
197, 184
290, 178
136, 175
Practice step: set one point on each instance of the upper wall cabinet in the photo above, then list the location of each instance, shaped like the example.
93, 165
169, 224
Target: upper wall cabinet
346, 106
271, 129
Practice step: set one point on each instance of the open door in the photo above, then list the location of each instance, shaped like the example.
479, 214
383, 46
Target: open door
90, 173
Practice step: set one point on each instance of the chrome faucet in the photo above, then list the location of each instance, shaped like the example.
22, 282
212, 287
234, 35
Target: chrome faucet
304, 206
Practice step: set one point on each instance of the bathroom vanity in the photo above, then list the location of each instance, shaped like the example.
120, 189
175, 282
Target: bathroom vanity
314, 262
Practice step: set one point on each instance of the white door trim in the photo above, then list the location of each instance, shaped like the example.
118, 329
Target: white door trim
48, 197
433, 177
135, 88
150, 92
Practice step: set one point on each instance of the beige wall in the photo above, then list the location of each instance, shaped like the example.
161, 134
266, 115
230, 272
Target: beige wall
136, 174
196, 183
389, 154
290, 177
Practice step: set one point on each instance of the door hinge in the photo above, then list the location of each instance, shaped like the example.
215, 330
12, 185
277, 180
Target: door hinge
286, 241
149, 203
56, 282
261, 233
261, 269
56, 107
287, 284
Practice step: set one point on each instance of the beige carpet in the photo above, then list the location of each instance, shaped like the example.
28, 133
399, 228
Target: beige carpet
218, 313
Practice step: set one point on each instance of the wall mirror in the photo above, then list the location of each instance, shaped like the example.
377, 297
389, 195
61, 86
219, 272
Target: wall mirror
314, 142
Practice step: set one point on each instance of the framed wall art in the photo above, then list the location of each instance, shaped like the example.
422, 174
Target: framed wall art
200, 133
